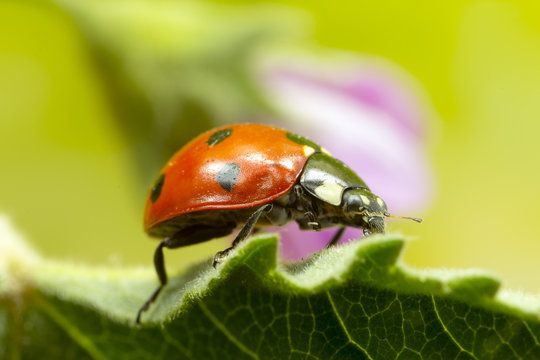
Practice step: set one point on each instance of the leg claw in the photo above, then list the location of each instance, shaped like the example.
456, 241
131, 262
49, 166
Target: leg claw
220, 256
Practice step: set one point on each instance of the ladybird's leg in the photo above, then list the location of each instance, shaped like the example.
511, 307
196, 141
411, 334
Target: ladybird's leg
279, 215
308, 207
244, 232
162, 275
184, 237
315, 225
336, 237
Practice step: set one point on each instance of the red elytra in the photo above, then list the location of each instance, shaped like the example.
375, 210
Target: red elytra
269, 165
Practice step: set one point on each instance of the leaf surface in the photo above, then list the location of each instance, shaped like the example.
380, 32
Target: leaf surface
352, 302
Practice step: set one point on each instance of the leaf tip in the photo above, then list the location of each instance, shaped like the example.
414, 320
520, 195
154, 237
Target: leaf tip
476, 285
258, 253
382, 250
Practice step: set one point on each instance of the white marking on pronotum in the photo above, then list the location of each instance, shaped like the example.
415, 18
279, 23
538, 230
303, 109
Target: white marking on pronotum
380, 202
365, 199
330, 192
308, 150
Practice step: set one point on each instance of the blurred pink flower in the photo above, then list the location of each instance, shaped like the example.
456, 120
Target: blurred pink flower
369, 115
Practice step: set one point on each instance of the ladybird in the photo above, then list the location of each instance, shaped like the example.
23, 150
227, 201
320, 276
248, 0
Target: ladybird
249, 176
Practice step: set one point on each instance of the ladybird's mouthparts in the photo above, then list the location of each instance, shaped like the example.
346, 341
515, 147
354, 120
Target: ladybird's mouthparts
376, 223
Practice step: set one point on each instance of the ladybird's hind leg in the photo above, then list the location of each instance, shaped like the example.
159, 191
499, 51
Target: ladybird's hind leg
162, 274
184, 237
335, 239
244, 232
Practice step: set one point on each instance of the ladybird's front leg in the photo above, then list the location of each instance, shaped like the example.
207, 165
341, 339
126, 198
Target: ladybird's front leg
312, 221
244, 233
308, 208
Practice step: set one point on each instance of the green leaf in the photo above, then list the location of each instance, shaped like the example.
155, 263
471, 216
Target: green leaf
355, 301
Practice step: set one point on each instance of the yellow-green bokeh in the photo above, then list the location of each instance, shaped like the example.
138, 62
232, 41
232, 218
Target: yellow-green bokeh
67, 178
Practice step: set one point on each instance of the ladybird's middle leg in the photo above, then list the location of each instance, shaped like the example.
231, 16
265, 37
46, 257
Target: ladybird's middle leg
335, 239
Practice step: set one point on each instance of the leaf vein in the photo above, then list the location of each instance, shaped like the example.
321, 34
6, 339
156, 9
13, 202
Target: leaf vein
171, 340
448, 331
289, 322
226, 331
72, 331
531, 332
338, 316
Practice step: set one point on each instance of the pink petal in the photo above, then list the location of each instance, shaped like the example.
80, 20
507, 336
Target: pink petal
369, 119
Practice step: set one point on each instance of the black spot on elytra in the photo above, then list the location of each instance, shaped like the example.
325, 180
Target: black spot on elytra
227, 176
299, 139
156, 188
218, 137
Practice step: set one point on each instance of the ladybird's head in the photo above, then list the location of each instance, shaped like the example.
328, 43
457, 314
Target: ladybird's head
366, 210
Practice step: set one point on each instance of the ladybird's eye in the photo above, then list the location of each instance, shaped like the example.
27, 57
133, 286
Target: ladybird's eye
354, 204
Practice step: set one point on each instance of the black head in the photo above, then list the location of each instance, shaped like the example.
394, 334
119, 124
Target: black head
365, 210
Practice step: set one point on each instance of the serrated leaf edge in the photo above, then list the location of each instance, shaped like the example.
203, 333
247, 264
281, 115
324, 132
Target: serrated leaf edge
259, 255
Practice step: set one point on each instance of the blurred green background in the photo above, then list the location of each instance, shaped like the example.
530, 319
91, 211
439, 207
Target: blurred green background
74, 178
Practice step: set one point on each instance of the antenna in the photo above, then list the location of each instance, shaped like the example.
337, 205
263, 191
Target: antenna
418, 220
